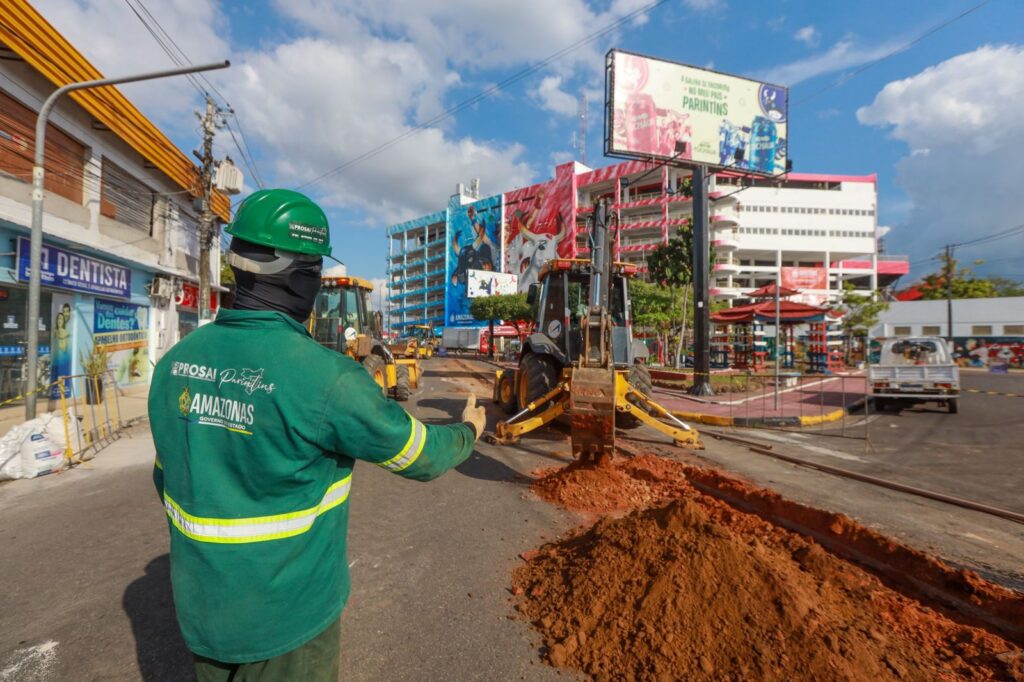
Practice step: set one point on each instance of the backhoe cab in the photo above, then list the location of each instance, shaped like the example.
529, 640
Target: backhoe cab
582, 360
343, 321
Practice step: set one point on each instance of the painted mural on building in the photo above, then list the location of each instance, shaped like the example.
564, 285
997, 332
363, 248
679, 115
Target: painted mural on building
539, 225
474, 243
989, 351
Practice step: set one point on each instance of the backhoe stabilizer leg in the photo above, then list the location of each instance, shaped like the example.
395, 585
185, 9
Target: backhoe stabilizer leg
531, 417
681, 433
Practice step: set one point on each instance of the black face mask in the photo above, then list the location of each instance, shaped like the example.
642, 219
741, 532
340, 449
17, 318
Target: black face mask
292, 291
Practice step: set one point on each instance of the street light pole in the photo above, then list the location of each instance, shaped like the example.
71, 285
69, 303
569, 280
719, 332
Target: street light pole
36, 247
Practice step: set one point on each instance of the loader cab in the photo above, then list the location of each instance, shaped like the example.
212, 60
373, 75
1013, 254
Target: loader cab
563, 295
341, 313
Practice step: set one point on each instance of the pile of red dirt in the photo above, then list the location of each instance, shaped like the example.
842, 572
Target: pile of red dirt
630, 484
698, 590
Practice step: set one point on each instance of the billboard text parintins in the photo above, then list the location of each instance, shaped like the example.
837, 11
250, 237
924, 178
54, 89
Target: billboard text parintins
659, 110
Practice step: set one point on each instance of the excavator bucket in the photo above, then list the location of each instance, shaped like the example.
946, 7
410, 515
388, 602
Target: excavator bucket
592, 412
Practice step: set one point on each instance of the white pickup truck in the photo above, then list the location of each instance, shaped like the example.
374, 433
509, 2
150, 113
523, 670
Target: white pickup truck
915, 370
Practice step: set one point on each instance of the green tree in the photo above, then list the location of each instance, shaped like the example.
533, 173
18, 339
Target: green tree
861, 313
651, 307
963, 282
671, 266
227, 276
511, 308
1005, 286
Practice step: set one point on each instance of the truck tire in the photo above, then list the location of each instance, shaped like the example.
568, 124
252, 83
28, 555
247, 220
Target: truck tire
640, 379
537, 376
403, 383
378, 370
881, 404
953, 405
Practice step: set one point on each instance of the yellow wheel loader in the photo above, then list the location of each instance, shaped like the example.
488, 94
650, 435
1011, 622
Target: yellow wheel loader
343, 321
582, 361
417, 342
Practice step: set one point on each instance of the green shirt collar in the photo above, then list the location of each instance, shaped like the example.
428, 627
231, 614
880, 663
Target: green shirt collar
257, 319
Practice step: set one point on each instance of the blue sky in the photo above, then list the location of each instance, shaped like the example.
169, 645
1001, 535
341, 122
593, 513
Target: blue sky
316, 83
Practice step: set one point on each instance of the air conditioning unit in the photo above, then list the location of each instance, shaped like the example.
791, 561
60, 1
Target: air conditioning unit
161, 288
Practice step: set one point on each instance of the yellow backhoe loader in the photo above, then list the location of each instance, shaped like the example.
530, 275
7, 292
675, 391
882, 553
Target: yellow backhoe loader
343, 321
582, 360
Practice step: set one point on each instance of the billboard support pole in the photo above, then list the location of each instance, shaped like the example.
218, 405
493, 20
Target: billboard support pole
701, 267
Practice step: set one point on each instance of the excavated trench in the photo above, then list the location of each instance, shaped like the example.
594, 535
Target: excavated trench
689, 574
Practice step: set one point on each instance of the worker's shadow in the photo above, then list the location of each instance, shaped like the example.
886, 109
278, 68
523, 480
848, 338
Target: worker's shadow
159, 648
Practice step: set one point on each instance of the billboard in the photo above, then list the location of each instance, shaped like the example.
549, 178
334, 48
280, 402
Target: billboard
722, 121
474, 243
123, 330
804, 278
539, 225
490, 283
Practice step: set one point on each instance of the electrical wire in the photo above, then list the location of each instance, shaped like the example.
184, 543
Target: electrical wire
482, 95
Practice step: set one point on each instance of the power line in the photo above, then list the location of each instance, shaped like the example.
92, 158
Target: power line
903, 48
1009, 232
484, 94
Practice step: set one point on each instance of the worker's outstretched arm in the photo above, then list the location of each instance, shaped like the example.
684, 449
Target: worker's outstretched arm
360, 422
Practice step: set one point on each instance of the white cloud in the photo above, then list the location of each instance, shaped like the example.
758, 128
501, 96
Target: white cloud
316, 104
844, 54
551, 96
117, 43
960, 120
703, 5
808, 35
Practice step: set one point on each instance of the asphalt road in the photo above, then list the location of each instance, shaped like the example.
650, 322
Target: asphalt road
84, 587
84, 590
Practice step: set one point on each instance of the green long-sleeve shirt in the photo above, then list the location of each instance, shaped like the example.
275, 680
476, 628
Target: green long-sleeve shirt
257, 427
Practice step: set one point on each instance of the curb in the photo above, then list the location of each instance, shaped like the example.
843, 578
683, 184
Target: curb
807, 420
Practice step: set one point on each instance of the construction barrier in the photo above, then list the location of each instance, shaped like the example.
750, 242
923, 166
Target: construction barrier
91, 409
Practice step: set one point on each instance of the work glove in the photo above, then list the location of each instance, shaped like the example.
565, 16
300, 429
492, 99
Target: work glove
473, 416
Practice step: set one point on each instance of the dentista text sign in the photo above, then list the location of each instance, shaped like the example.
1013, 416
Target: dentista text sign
69, 270
657, 108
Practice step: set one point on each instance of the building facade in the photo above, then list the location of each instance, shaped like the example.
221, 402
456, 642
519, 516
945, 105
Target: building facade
120, 231
815, 233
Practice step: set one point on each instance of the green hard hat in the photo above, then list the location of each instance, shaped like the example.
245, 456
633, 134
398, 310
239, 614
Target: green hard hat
282, 219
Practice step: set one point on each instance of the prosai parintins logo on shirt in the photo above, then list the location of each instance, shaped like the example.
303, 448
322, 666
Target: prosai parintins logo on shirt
184, 401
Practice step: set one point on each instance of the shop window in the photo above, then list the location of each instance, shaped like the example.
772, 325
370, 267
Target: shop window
125, 199
902, 331
1013, 329
981, 330
63, 156
931, 330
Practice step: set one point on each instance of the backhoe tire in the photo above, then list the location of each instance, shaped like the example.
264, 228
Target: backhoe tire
378, 370
403, 383
538, 374
640, 379
507, 392
953, 405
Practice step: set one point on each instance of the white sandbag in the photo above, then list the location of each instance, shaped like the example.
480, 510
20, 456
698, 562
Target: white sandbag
10, 453
53, 425
39, 456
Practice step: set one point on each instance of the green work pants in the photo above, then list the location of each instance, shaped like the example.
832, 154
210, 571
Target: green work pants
315, 661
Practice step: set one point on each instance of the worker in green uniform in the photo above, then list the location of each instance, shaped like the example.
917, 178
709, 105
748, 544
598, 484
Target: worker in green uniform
257, 428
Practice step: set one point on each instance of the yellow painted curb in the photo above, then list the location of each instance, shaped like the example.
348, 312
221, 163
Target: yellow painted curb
712, 419
813, 420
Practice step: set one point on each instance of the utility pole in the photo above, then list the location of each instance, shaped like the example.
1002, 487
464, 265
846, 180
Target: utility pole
701, 274
949, 292
206, 219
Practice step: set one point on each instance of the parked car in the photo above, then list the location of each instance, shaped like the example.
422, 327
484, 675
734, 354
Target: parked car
913, 370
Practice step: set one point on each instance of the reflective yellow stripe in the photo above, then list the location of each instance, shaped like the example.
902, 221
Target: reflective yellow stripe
257, 528
157, 464
413, 447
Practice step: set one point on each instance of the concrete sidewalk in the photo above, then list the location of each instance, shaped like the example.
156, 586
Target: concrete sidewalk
815, 400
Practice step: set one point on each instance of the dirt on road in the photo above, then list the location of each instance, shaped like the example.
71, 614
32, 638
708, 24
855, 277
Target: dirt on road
673, 583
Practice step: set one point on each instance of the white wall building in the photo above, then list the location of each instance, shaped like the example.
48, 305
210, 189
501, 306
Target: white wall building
972, 317
813, 232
